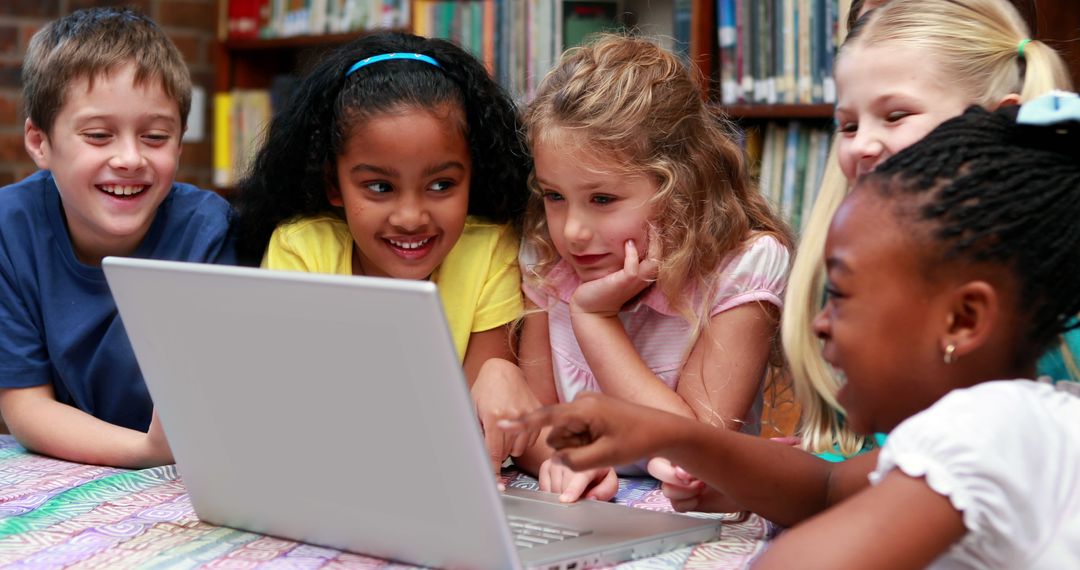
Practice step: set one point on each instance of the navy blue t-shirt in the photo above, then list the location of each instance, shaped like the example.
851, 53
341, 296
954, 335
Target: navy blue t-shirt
58, 320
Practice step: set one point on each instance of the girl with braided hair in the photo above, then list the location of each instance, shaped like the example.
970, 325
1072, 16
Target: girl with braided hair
399, 157
950, 269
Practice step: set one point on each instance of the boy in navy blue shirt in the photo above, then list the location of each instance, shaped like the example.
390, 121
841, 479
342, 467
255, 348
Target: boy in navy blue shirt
106, 96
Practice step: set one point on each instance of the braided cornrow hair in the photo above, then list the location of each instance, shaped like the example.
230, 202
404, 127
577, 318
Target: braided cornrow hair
1002, 193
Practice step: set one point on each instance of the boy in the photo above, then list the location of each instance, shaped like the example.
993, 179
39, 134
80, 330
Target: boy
106, 95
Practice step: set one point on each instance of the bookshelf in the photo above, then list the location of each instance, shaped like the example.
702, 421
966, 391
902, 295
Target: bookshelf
252, 63
781, 119
527, 37
769, 69
522, 49
779, 111
263, 43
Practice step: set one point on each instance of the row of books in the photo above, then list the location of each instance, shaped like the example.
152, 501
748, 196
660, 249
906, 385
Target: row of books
249, 19
790, 159
777, 51
468, 23
240, 120
518, 40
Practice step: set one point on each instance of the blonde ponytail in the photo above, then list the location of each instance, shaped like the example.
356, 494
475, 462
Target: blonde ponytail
813, 379
1044, 70
977, 42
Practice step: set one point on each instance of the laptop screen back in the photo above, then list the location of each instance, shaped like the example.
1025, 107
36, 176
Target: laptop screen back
326, 409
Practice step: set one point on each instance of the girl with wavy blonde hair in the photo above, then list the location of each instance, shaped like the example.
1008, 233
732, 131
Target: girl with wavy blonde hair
968, 52
656, 267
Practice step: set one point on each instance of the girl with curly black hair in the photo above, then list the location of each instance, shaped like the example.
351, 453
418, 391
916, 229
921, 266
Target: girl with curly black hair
399, 157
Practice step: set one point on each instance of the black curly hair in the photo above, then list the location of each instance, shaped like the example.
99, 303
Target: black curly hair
288, 177
994, 191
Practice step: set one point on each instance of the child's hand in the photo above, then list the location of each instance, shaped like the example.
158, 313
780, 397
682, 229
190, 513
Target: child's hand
156, 444
599, 431
607, 295
686, 492
600, 484
499, 392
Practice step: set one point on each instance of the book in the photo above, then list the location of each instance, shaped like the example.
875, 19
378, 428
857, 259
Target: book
727, 41
581, 18
223, 162
681, 24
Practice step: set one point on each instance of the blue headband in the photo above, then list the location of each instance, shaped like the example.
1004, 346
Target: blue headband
387, 56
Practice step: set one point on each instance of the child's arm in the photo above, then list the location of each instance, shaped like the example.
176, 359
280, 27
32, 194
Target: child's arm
43, 425
777, 481
537, 366
720, 379
538, 372
686, 492
502, 387
485, 345
490, 373
612, 357
901, 523
722, 376
718, 382
503, 390
500, 391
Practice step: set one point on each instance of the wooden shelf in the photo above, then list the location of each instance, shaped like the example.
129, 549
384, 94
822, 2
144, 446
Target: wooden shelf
806, 111
293, 42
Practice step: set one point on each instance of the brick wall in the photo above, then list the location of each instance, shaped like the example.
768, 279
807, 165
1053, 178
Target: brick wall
192, 24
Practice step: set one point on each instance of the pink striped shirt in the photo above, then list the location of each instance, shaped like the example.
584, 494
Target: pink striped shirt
660, 334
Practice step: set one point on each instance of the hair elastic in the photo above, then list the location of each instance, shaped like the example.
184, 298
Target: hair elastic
388, 56
1020, 46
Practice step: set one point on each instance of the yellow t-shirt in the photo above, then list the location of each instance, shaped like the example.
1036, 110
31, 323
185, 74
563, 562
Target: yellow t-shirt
479, 281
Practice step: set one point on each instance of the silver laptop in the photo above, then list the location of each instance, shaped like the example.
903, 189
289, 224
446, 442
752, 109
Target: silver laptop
333, 410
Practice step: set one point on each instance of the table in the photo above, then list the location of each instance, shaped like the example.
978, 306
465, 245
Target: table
57, 514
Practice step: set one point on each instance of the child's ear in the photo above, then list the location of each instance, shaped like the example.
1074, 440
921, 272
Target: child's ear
333, 193
1010, 99
974, 314
37, 144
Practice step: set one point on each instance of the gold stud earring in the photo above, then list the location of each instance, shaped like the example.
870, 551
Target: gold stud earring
949, 353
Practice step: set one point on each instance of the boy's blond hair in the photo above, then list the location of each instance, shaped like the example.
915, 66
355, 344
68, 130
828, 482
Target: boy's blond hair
977, 43
87, 44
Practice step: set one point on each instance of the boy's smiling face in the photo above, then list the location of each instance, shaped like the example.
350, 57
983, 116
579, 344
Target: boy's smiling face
113, 151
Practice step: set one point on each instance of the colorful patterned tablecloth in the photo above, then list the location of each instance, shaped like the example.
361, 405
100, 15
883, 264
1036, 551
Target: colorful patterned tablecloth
56, 514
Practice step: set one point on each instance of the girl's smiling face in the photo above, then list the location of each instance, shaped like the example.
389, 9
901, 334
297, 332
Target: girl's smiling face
888, 97
590, 213
403, 181
880, 320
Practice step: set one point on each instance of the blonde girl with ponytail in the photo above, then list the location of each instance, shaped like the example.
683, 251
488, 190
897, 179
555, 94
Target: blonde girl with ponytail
905, 67
984, 54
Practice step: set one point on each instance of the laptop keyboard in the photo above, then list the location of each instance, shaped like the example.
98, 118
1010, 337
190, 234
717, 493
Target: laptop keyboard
530, 533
